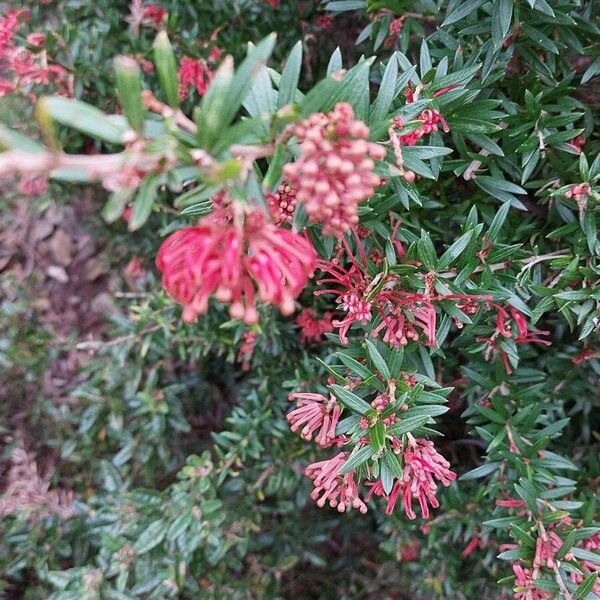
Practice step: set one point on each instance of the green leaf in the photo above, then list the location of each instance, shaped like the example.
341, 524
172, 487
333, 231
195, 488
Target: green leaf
481, 471
166, 68
116, 203
357, 368
462, 10
408, 425
393, 464
378, 360
387, 91
386, 477
151, 537
498, 221
144, 201
208, 116
455, 250
359, 456
352, 401
582, 294
585, 587
12, 140
424, 59
345, 5
290, 76
591, 71
377, 436
83, 117
243, 78
501, 18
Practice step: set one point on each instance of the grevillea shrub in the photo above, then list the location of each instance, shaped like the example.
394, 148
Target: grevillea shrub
362, 357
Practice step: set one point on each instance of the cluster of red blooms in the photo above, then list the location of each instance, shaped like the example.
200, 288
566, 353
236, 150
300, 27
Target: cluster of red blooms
154, 15
324, 21
431, 120
282, 203
522, 335
404, 315
193, 72
235, 254
313, 328
423, 465
335, 169
26, 68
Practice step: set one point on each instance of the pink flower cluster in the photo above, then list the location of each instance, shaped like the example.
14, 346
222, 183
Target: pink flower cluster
235, 254
547, 546
26, 68
591, 544
313, 328
341, 491
423, 465
282, 203
315, 413
334, 171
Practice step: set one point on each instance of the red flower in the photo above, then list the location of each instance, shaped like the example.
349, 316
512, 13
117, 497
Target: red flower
193, 72
234, 254
154, 14
246, 349
312, 328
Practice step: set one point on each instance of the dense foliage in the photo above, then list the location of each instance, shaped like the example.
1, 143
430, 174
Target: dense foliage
356, 347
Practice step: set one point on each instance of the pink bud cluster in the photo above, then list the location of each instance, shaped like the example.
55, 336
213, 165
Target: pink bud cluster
315, 413
313, 328
431, 120
282, 203
235, 254
341, 491
334, 172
